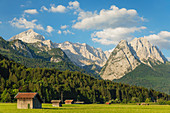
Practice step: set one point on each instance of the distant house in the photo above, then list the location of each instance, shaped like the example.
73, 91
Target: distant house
108, 103
137, 103
56, 103
79, 102
28, 100
69, 101
144, 104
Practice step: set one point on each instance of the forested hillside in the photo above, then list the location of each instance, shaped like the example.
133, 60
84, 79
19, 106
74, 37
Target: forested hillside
32, 56
49, 83
157, 77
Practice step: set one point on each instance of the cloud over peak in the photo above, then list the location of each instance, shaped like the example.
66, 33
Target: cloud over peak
114, 35
49, 29
74, 5
162, 39
59, 8
31, 11
24, 23
112, 18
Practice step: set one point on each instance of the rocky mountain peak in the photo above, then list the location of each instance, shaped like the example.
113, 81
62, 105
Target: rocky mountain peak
127, 56
83, 54
120, 62
146, 51
29, 36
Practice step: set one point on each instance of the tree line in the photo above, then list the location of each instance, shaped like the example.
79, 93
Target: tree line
50, 83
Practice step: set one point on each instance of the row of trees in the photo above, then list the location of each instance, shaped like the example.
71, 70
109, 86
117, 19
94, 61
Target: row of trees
49, 83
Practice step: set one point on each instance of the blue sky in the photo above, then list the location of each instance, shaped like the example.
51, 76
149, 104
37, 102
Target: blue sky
99, 23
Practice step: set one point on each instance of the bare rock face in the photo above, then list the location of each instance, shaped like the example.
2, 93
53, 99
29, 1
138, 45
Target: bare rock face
22, 48
127, 56
56, 60
28, 36
107, 53
120, 62
79, 54
145, 51
83, 54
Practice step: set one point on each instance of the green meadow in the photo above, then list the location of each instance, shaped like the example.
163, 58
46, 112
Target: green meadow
87, 108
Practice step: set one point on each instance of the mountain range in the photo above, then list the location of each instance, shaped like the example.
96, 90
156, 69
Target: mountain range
137, 62
79, 54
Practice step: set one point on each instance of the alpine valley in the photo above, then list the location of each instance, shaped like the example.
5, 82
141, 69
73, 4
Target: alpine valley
32, 50
136, 63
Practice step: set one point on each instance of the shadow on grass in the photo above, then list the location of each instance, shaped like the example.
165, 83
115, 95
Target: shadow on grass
57, 108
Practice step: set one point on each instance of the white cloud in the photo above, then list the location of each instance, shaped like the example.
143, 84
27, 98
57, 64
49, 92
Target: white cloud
64, 27
49, 29
68, 32
168, 58
112, 18
22, 5
31, 11
73, 21
162, 39
0, 22
74, 5
59, 32
114, 35
43, 8
23, 23
87, 14
59, 8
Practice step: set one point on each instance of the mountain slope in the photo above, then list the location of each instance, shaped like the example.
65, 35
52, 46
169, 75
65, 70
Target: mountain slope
83, 54
156, 78
127, 56
121, 61
145, 51
32, 56
79, 54
28, 36
75, 85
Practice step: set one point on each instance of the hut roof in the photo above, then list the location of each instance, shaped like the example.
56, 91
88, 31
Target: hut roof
55, 101
79, 102
68, 101
27, 95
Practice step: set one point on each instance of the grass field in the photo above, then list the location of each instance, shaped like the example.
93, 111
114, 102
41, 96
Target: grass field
87, 108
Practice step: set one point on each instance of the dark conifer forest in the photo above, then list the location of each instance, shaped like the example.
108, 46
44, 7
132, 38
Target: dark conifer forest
49, 83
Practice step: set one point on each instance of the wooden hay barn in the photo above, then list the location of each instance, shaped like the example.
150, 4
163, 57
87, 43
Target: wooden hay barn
28, 100
56, 103
69, 101
79, 102
144, 104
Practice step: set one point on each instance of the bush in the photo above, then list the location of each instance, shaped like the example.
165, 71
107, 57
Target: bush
124, 101
115, 101
168, 102
135, 100
161, 101
148, 100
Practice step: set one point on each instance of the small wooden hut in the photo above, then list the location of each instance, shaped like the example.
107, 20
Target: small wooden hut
69, 101
28, 100
79, 102
137, 103
56, 103
144, 104
108, 103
